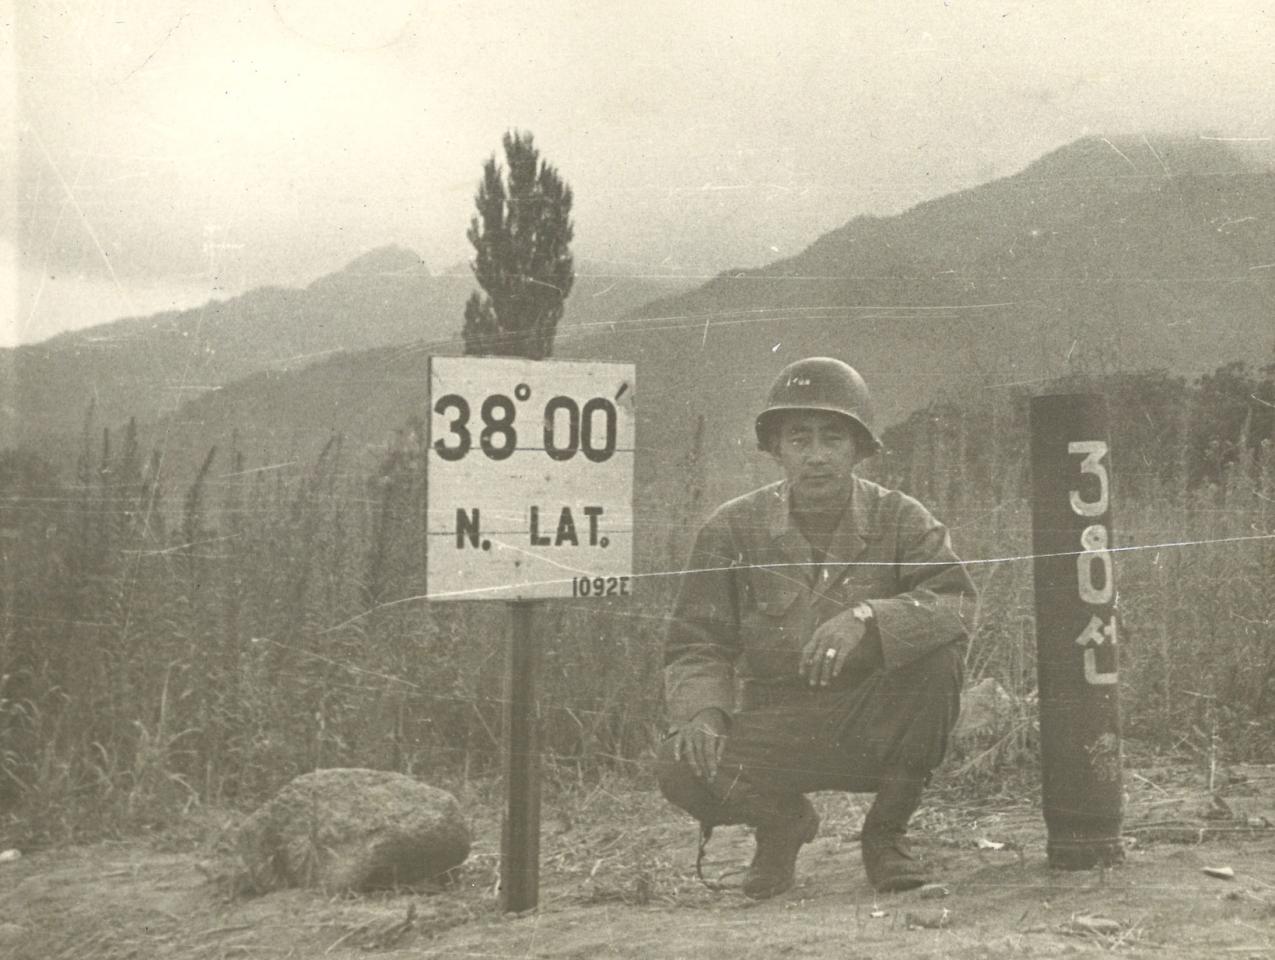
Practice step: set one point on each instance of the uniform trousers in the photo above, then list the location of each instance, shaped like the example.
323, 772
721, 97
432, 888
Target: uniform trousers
860, 734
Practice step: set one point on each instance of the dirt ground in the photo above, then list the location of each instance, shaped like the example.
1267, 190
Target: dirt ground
617, 880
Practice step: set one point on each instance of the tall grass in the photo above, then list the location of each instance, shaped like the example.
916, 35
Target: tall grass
157, 652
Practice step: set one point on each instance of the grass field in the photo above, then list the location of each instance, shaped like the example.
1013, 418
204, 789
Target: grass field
162, 651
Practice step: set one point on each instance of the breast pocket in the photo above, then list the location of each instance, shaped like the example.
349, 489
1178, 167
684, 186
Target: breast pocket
773, 623
871, 574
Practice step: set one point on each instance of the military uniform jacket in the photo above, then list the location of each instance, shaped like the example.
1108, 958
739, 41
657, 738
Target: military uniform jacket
751, 596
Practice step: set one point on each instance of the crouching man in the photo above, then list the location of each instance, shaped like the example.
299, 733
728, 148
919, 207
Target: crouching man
842, 609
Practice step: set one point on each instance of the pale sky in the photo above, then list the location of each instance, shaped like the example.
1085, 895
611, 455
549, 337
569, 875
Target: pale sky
168, 151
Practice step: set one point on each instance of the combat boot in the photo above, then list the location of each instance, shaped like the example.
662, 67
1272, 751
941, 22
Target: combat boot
888, 860
779, 839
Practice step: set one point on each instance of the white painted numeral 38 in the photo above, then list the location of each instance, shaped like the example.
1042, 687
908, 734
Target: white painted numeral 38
1094, 542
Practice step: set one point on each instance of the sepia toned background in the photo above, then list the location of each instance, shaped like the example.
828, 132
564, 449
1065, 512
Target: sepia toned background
232, 237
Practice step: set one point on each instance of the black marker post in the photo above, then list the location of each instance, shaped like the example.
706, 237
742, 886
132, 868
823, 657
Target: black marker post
1076, 631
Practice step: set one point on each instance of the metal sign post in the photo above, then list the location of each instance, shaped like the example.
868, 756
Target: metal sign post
529, 480
1076, 631
520, 830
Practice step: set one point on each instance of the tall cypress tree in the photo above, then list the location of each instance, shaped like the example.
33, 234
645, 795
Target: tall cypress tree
522, 241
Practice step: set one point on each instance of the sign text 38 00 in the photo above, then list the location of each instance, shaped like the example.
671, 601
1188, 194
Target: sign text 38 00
568, 428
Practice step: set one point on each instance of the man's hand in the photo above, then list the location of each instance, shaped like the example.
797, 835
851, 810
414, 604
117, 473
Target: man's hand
836, 642
702, 741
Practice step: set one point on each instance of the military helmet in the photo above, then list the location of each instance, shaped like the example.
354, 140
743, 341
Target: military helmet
820, 383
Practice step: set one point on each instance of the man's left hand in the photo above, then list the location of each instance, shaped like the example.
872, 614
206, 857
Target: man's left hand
836, 641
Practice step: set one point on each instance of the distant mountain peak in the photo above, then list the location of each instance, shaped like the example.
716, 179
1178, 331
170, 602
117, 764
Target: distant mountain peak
390, 260
1140, 156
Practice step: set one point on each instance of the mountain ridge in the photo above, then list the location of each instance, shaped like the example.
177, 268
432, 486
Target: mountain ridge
1108, 253
1076, 263
149, 366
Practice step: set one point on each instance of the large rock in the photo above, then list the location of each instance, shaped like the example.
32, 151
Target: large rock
351, 829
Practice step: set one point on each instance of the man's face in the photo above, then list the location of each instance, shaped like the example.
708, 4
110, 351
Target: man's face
818, 453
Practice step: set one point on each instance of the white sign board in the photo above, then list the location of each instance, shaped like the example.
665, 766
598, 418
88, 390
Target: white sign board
529, 479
